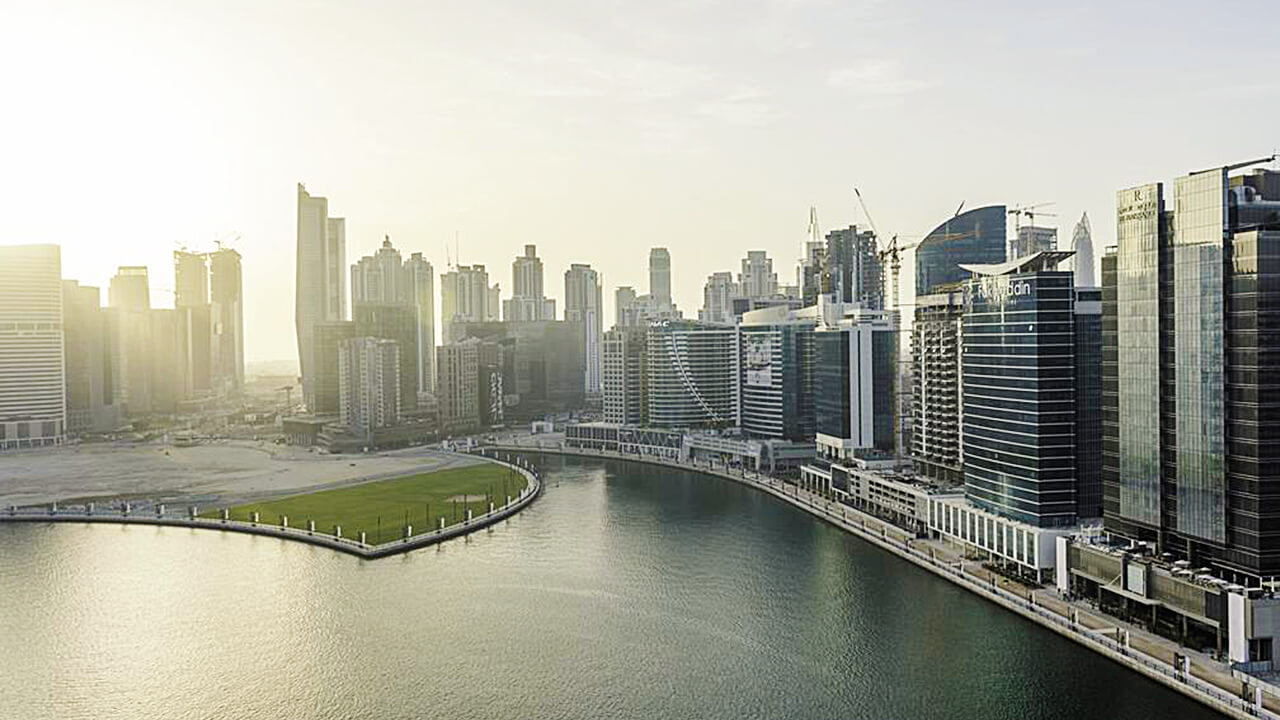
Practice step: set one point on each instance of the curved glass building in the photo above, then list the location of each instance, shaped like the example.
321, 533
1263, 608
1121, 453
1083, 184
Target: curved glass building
973, 238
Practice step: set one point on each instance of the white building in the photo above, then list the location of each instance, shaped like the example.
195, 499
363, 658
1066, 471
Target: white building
32, 383
465, 297
757, 279
368, 384
584, 303
321, 285
528, 302
717, 298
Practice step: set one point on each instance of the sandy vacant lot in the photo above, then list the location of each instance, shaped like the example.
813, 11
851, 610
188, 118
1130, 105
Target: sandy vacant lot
219, 472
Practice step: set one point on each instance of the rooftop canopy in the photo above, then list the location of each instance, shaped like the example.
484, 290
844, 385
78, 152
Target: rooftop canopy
1044, 260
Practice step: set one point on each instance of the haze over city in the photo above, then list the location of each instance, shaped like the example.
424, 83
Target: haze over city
595, 130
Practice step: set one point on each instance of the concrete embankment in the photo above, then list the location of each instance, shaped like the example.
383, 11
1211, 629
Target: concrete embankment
342, 544
898, 542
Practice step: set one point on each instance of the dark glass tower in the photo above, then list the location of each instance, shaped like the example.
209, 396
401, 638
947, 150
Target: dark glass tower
974, 237
1190, 455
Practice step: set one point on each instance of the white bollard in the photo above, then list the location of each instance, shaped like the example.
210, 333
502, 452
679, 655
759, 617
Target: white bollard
408, 531
468, 514
89, 509
442, 522
226, 514
362, 542
194, 511
159, 510
311, 526
508, 499
284, 521
337, 531
255, 518
490, 508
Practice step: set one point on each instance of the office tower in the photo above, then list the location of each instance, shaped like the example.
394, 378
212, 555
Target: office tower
457, 385
369, 387
421, 280
812, 261
528, 302
973, 237
379, 279
660, 276
91, 406
191, 278
1088, 388
1189, 297
624, 305
328, 338
1083, 260
853, 271
584, 305
464, 298
320, 287
693, 375
226, 308
544, 365
717, 298
1018, 399
935, 353
129, 298
169, 350
397, 322
491, 401
625, 385
757, 279
854, 383
1032, 239
32, 375
776, 383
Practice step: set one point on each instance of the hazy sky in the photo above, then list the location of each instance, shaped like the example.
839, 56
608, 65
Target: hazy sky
596, 128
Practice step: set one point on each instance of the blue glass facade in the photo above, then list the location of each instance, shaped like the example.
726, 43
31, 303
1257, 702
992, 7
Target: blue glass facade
974, 237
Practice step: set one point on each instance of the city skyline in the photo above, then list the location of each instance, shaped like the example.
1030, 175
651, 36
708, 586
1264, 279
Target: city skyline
623, 123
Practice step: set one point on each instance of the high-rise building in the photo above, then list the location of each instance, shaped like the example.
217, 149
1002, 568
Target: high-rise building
853, 271
191, 278
544, 365
465, 384
1032, 239
1189, 432
584, 305
1019, 403
169, 351
626, 376
421, 280
528, 301
624, 306
397, 322
660, 276
369, 387
757, 279
1083, 260
854, 382
328, 338
379, 279
226, 319
812, 261
129, 298
973, 237
935, 352
1087, 312
91, 406
465, 297
777, 366
717, 298
320, 287
693, 375
32, 375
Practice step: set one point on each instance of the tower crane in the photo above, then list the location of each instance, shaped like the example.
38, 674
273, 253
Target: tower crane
1031, 213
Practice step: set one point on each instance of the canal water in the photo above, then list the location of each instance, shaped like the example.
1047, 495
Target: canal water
626, 591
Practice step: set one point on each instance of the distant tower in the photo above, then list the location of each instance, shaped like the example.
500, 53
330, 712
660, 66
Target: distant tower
321, 281
812, 260
583, 303
1082, 243
528, 302
660, 275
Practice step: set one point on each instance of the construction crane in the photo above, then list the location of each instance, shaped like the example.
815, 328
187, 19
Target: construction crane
1030, 212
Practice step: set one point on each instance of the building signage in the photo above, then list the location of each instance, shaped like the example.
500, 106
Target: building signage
999, 290
757, 360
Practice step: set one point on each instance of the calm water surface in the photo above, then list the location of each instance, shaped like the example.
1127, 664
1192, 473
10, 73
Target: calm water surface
625, 592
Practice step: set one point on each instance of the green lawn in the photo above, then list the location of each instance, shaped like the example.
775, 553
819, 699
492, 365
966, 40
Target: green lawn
381, 508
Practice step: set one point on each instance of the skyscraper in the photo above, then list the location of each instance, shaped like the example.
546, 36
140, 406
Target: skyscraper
777, 367
660, 276
210, 322
584, 304
528, 302
1032, 239
717, 298
91, 406
624, 303
625, 384
853, 271
1083, 260
421, 280
935, 351
129, 297
854, 381
1188, 433
369, 387
465, 297
693, 375
812, 260
321, 288
191, 278
32, 378
973, 237
757, 279
226, 295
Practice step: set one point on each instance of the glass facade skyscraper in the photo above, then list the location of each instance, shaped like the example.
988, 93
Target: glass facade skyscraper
1189, 401
977, 236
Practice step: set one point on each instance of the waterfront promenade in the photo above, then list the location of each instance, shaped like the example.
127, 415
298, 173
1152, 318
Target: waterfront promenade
1142, 652
125, 514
